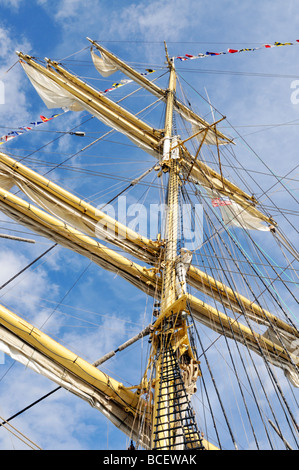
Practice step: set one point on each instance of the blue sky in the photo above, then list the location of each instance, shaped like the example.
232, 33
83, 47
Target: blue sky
252, 89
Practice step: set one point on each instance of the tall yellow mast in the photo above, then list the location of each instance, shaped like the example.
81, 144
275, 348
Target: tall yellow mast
168, 296
171, 429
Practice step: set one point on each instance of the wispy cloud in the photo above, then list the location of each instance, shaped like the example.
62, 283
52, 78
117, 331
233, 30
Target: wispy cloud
16, 106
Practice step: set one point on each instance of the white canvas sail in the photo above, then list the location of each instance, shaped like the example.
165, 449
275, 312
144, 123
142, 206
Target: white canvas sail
108, 63
103, 65
74, 228
6, 182
212, 137
40, 363
56, 96
52, 94
73, 210
49, 196
233, 214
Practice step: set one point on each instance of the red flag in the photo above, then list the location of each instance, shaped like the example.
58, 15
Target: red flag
221, 201
44, 119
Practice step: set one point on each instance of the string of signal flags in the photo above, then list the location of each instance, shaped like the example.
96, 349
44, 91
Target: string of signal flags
235, 51
22, 130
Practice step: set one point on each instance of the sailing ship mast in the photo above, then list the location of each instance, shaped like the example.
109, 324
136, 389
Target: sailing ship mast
167, 420
173, 418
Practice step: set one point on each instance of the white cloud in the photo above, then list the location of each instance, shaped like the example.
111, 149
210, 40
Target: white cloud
140, 21
69, 9
16, 105
52, 424
24, 293
157, 20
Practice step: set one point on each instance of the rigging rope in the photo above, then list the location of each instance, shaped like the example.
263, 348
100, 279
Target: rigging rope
28, 266
230, 353
215, 255
19, 435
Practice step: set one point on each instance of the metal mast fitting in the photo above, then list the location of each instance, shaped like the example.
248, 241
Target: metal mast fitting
173, 426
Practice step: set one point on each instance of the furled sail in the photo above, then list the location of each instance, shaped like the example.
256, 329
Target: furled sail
213, 136
68, 237
140, 277
116, 64
73, 210
59, 88
275, 352
113, 115
6, 182
151, 140
240, 304
125, 409
31, 347
216, 184
89, 220
52, 94
103, 65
